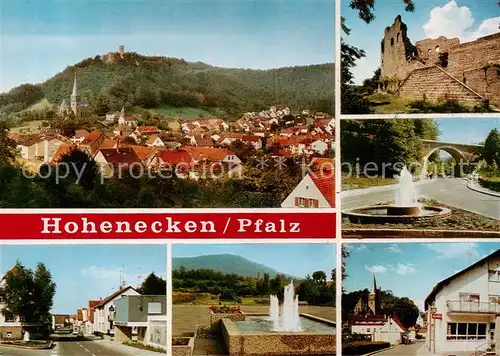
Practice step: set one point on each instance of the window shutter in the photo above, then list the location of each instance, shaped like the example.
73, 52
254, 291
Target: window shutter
296, 201
316, 203
307, 200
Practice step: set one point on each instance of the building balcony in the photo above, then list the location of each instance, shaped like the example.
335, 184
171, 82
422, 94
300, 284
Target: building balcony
455, 306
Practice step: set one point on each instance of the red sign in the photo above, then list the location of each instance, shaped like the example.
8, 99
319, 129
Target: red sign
166, 225
437, 316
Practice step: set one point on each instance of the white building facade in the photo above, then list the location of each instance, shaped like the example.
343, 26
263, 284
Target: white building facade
463, 311
104, 312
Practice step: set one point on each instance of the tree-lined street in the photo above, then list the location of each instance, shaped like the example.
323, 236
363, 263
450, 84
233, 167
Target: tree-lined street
452, 191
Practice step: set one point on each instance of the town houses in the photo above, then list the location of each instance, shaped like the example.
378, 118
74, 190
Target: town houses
208, 148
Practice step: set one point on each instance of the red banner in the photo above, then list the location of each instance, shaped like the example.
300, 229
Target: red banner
199, 225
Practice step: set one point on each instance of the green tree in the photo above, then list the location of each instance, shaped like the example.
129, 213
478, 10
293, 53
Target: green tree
491, 149
44, 292
153, 285
29, 295
319, 277
82, 168
7, 146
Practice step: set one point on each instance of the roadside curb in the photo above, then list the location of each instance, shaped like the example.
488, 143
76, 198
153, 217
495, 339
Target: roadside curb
483, 190
381, 350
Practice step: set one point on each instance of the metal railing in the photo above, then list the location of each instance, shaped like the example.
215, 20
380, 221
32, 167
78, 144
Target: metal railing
473, 307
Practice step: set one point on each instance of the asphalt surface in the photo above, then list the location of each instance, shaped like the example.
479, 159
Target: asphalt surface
406, 350
452, 191
71, 348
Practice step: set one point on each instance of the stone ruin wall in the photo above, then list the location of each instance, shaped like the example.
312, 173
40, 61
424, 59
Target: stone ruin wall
429, 49
473, 55
476, 64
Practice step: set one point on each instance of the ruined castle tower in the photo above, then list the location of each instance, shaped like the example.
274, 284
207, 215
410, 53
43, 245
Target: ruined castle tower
372, 297
122, 51
396, 49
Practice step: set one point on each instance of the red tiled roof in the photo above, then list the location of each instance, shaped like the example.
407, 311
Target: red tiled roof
142, 152
113, 296
176, 157
120, 156
107, 143
94, 303
63, 150
207, 153
82, 133
94, 135
397, 321
251, 138
325, 183
148, 129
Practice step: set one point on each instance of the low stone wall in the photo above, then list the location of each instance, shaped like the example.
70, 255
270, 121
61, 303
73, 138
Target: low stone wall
270, 344
215, 318
183, 350
11, 332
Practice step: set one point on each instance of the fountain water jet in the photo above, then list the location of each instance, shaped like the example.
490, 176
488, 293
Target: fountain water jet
289, 320
274, 310
406, 202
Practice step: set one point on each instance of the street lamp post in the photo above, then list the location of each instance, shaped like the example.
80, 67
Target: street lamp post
433, 327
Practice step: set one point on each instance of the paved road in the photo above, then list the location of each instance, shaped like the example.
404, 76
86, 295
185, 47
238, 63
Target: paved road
79, 348
406, 350
451, 191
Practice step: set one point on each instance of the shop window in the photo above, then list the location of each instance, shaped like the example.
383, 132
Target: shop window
466, 331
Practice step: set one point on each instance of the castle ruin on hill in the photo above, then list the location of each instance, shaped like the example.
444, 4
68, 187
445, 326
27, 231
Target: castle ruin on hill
440, 69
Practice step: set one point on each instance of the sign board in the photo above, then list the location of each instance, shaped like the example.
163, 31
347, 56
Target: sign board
437, 316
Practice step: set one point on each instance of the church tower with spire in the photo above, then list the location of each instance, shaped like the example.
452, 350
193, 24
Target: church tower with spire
372, 297
74, 100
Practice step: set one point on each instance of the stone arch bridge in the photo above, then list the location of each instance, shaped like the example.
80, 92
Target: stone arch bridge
461, 153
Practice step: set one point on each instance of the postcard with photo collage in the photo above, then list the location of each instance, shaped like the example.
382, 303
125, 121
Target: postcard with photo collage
249, 177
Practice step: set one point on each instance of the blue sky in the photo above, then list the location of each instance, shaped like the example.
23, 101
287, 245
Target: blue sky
85, 272
293, 259
466, 19
41, 38
469, 131
410, 269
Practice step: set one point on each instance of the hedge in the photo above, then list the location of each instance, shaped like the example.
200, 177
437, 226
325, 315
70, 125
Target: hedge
493, 184
357, 348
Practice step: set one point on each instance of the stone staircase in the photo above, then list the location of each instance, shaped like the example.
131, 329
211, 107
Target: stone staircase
435, 84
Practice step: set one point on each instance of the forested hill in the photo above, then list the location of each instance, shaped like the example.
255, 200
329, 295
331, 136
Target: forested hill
225, 263
150, 82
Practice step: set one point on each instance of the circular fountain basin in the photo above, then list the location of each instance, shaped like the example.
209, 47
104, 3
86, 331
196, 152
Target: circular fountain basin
403, 210
380, 214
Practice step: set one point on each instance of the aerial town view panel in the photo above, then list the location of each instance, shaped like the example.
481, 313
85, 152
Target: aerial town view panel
156, 114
